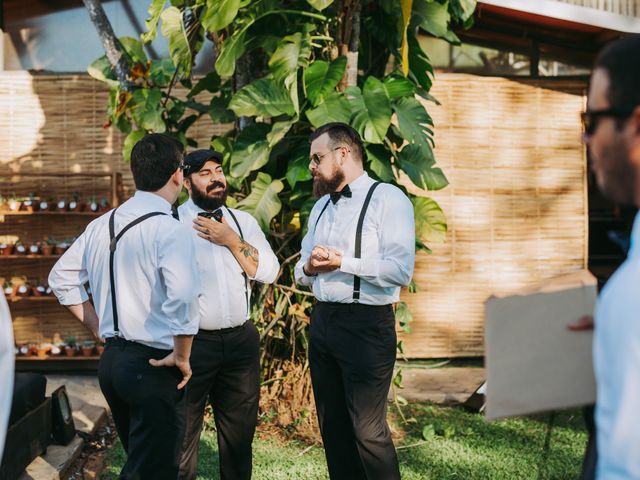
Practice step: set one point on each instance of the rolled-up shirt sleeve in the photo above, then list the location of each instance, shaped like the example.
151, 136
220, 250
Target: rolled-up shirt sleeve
69, 275
393, 265
268, 265
177, 263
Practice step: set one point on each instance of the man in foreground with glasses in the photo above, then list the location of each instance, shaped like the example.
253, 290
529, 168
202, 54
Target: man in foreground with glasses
141, 266
358, 251
231, 250
612, 135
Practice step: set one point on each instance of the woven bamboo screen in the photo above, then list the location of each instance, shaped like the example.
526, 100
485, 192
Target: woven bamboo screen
516, 204
629, 8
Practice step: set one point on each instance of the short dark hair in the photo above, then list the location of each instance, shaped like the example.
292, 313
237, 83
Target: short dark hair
341, 133
154, 159
620, 60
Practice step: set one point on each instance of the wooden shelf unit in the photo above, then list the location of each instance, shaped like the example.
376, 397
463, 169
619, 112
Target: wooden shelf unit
36, 319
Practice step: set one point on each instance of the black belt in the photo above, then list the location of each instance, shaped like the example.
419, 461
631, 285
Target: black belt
353, 305
221, 331
130, 344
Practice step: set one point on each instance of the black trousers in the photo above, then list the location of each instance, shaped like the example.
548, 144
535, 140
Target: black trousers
147, 408
352, 351
226, 371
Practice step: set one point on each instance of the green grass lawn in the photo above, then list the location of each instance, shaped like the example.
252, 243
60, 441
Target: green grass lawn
442, 443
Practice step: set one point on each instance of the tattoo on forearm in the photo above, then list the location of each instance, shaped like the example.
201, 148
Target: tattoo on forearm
249, 250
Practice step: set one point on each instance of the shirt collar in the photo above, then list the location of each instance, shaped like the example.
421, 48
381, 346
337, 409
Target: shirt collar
361, 183
153, 201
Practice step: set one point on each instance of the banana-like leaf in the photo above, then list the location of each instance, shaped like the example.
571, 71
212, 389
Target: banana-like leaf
321, 79
219, 14
173, 28
371, 109
418, 164
279, 130
155, 9
230, 51
262, 97
431, 223
263, 202
251, 150
414, 123
334, 108
320, 4
406, 6
146, 110
292, 52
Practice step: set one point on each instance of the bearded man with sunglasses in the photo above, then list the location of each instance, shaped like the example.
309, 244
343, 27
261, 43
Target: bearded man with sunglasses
358, 252
231, 250
612, 136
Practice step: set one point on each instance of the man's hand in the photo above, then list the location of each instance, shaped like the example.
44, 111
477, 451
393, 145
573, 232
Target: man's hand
585, 323
216, 232
323, 259
171, 361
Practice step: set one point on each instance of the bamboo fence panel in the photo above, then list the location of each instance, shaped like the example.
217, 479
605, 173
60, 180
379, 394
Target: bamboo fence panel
630, 8
516, 204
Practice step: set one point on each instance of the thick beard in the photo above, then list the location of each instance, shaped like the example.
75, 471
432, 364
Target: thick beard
207, 201
322, 186
617, 181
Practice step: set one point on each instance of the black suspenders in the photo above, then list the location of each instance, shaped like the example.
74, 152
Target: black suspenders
112, 251
176, 215
358, 249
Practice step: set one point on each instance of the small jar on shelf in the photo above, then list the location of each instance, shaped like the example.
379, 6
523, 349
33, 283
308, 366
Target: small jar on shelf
7, 248
48, 246
21, 248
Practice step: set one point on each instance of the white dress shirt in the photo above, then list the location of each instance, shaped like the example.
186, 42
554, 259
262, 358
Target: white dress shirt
388, 245
7, 359
223, 303
156, 276
616, 354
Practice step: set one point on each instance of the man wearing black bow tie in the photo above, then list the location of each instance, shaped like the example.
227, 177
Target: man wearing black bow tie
231, 250
358, 251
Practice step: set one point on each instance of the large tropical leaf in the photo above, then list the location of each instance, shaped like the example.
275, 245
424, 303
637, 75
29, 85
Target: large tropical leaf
419, 64
414, 123
219, 14
334, 108
432, 16
320, 4
463, 9
321, 79
292, 52
155, 9
161, 71
397, 87
406, 6
210, 83
230, 51
279, 130
102, 70
371, 110
262, 97
147, 111
419, 166
134, 49
298, 165
251, 150
129, 142
380, 162
263, 202
431, 223
174, 29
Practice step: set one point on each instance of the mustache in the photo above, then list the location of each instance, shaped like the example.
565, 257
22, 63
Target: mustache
215, 185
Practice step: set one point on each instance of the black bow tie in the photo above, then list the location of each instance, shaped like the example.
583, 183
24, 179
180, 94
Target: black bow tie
345, 192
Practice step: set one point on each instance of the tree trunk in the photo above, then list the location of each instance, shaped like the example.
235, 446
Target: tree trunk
347, 39
242, 77
110, 43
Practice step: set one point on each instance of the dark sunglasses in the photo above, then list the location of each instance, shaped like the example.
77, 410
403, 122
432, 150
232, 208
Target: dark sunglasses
590, 117
315, 158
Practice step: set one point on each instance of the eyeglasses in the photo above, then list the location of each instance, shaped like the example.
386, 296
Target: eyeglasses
590, 118
315, 158
182, 166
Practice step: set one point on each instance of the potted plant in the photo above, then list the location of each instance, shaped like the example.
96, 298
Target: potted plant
100, 348
20, 248
93, 205
48, 246
34, 248
70, 346
14, 204
104, 205
56, 344
4, 206
24, 349
43, 206
7, 288
74, 204
29, 204
42, 350
87, 348
61, 205
6, 248
23, 290
40, 289
62, 247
